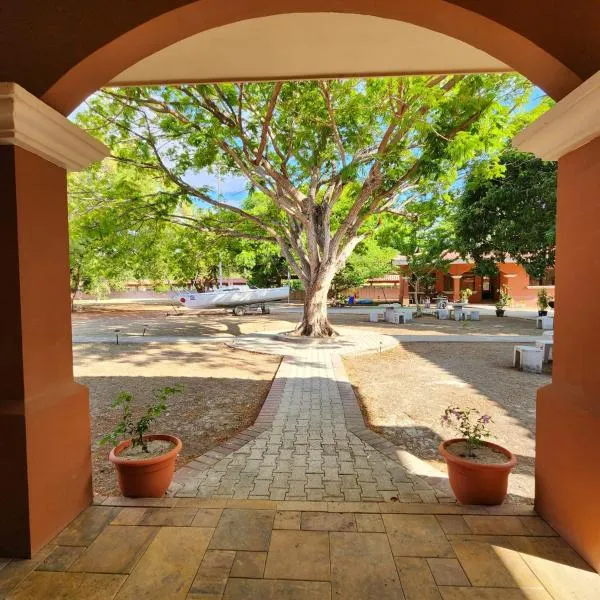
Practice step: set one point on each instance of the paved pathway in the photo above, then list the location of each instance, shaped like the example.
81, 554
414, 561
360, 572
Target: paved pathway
310, 441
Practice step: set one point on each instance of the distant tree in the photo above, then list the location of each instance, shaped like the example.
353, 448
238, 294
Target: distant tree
510, 214
329, 157
369, 261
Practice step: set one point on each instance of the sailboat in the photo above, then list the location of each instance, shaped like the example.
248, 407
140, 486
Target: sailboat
236, 297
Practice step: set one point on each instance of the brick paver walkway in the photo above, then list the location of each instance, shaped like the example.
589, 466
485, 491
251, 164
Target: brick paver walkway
310, 441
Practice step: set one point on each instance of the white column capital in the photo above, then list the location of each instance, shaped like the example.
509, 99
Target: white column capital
29, 123
568, 125
456, 276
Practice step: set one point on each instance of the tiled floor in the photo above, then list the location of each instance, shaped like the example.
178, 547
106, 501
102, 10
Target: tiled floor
192, 548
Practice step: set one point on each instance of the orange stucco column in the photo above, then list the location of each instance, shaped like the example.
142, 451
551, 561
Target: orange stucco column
44, 415
456, 287
405, 290
568, 410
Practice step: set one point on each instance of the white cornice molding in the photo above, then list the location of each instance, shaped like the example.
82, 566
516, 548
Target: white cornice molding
568, 125
27, 122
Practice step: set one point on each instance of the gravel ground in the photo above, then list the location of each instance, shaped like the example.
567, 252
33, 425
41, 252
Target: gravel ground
404, 392
223, 392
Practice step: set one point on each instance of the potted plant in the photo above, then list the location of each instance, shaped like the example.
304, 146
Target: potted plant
503, 300
145, 463
543, 302
478, 470
465, 295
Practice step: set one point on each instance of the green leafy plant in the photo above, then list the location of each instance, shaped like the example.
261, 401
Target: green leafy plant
465, 294
471, 425
504, 298
128, 426
543, 301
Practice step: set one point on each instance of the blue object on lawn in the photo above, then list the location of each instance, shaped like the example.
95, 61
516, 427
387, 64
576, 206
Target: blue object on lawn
350, 300
365, 301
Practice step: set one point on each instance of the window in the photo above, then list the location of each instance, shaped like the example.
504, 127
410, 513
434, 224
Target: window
547, 279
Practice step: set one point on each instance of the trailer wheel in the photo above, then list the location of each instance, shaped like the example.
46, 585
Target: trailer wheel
238, 311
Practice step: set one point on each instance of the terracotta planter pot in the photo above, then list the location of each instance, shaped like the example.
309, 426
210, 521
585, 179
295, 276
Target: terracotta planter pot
474, 483
145, 477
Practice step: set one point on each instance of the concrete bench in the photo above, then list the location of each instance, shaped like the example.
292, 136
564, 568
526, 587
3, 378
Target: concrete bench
544, 323
442, 313
546, 346
549, 333
528, 358
375, 316
472, 315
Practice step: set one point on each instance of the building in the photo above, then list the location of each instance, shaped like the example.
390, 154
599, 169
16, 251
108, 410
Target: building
522, 288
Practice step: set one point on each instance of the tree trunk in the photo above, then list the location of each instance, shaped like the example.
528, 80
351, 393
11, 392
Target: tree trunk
314, 319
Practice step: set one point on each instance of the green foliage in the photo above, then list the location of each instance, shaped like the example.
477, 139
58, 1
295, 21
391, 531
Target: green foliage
471, 426
504, 298
465, 294
513, 213
369, 261
542, 299
128, 426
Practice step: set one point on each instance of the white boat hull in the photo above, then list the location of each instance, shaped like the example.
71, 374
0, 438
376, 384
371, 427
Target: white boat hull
233, 298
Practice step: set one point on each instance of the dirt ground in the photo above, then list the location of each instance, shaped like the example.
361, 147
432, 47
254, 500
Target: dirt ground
404, 392
223, 392
162, 320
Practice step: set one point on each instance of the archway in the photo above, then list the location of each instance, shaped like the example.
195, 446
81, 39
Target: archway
102, 47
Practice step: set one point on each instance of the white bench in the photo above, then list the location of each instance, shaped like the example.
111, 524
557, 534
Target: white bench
472, 315
528, 358
375, 315
442, 313
549, 333
546, 346
544, 323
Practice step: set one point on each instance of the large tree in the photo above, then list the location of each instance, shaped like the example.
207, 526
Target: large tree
511, 213
329, 157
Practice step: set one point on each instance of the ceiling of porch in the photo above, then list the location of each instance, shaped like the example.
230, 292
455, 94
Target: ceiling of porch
308, 45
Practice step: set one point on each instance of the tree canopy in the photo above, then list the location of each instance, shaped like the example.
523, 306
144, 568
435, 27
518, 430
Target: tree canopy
509, 215
324, 160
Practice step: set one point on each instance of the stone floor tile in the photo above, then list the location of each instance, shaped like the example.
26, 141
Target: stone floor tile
488, 565
416, 535
302, 506
328, 521
369, 523
42, 585
537, 526
169, 517
87, 526
250, 565
115, 550
453, 524
478, 593
496, 525
560, 569
201, 503
130, 515
168, 567
447, 571
362, 567
208, 584
300, 555
61, 558
218, 559
289, 519
262, 589
14, 571
241, 529
207, 517
416, 578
